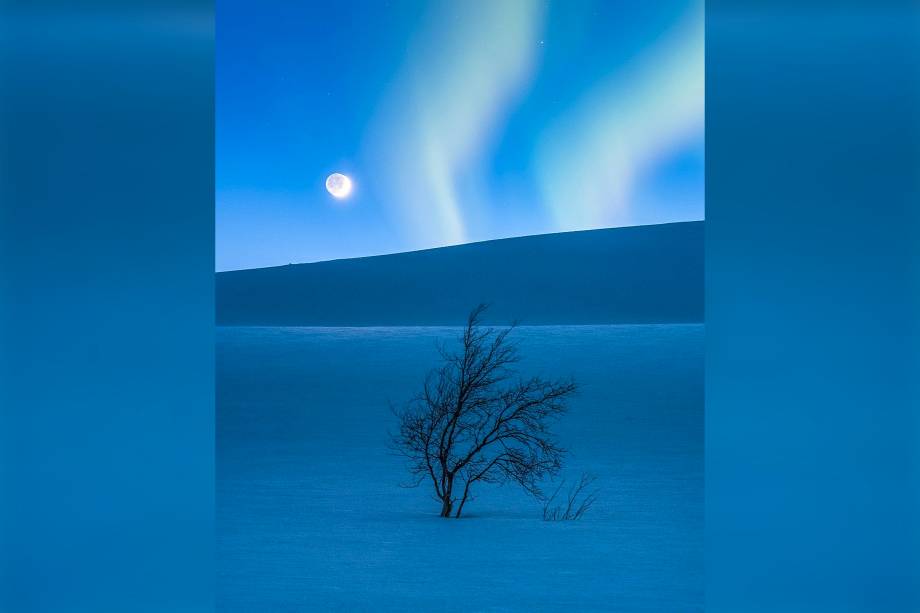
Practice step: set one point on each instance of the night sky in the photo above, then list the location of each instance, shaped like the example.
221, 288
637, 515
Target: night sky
456, 121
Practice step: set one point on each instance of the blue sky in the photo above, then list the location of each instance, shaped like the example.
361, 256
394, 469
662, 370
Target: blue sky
457, 121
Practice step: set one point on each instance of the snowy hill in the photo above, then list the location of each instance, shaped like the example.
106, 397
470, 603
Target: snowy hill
642, 274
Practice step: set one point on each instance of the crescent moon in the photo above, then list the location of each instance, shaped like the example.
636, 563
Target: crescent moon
338, 185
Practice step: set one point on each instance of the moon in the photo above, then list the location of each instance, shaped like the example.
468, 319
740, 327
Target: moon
338, 185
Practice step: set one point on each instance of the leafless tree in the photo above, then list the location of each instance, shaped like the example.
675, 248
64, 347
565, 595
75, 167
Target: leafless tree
477, 421
578, 501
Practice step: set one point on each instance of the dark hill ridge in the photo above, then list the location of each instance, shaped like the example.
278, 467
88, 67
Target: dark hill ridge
641, 274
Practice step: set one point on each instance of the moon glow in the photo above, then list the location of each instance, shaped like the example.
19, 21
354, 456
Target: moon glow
338, 185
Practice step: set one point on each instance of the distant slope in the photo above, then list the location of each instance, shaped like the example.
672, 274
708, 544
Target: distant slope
640, 274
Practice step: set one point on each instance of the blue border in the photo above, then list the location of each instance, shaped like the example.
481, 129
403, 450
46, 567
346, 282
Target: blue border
812, 436
106, 279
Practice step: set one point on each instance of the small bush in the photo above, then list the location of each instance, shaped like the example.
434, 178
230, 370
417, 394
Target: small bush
578, 501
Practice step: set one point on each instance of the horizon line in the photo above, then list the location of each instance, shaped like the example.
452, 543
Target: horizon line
490, 240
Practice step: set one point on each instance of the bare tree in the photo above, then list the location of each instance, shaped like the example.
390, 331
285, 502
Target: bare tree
578, 501
476, 421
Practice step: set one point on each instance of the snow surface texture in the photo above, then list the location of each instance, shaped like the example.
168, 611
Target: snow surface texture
311, 515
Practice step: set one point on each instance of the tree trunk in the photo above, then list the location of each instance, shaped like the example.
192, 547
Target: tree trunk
447, 502
466, 493
460, 508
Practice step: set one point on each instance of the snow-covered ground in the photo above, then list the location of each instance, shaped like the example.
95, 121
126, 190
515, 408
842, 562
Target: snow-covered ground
311, 515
